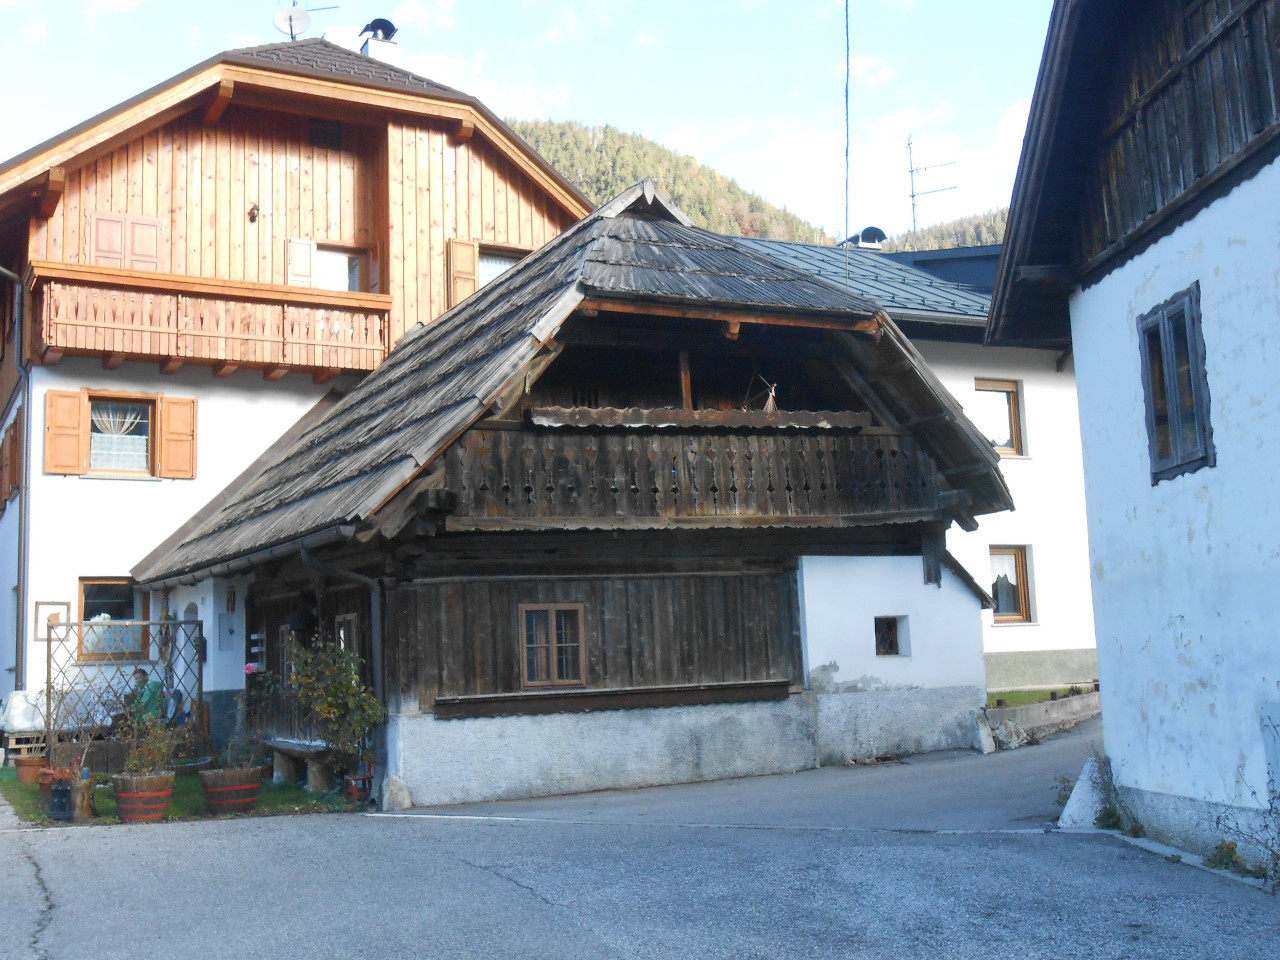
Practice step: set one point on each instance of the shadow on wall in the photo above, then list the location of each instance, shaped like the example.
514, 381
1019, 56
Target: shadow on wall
822, 679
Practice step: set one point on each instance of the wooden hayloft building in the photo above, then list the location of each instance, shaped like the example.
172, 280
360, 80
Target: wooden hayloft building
567, 522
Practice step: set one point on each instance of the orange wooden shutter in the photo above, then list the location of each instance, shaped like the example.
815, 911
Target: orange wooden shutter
177, 438
144, 244
108, 240
6, 468
464, 270
16, 466
300, 263
66, 432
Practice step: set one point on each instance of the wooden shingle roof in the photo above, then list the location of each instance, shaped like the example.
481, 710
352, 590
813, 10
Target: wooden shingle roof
440, 378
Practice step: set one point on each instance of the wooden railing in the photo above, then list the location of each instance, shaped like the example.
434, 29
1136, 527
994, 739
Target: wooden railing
94, 311
643, 476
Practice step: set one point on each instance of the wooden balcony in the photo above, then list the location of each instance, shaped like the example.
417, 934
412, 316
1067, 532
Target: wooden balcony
123, 315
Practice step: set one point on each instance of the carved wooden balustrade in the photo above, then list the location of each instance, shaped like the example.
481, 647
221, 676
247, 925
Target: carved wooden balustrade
649, 477
94, 311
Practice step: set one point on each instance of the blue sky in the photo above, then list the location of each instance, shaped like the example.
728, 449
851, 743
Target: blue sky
753, 88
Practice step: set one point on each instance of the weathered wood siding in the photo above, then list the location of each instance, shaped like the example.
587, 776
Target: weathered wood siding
459, 638
439, 191
1196, 90
526, 478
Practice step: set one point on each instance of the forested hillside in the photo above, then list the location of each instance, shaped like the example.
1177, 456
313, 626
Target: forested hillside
974, 231
604, 161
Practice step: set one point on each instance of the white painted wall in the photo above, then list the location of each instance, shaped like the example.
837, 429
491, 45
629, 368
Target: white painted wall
840, 597
1186, 574
92, 526
1047, 484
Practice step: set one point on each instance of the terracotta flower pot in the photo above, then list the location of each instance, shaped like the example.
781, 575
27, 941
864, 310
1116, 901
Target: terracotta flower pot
29, 768
231, 791
144, 798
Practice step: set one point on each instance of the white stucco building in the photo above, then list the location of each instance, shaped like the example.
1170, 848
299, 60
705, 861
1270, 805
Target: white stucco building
1155, 260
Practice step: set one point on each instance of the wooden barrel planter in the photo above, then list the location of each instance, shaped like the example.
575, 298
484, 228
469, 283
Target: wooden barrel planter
143, 799
231, 791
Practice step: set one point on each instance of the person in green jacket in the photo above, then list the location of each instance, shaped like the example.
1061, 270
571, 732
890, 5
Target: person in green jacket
146, 702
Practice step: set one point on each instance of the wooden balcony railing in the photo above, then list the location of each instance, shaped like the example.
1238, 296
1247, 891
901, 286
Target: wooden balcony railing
118, 315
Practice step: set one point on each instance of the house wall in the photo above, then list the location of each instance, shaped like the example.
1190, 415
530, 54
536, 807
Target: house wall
1185, 572
1047, 482
9, 523
928, 697
84, 526
398, 190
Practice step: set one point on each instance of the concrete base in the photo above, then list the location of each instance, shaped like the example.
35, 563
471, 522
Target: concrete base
463, 761
855, 726
1029, 669
1089, 796
1194, 825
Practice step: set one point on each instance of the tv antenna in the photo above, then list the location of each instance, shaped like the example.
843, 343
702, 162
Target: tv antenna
295, 20
913, 170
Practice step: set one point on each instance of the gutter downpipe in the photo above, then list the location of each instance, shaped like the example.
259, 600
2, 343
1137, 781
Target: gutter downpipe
376, 616
24, 506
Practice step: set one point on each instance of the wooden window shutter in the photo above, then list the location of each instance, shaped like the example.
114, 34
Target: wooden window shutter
108, 240
300, 263
144, 244
6, 468
464, 270
66, 431
176, 449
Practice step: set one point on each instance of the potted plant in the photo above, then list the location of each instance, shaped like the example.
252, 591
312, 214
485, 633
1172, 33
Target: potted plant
145, 788
234, 788
341, 709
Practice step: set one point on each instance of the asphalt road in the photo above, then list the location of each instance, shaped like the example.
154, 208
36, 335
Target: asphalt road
940, 857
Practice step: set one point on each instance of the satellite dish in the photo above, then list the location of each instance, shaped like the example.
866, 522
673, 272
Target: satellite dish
293, 21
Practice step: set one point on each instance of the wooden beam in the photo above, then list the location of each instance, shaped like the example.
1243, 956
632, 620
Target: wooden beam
55, 184
50, 356
218, 103
1057, 275
462, 131
274, 373
686, 381
171, 366
112, 360
693, 312
325, 375
651, 418
225, 369
731, 329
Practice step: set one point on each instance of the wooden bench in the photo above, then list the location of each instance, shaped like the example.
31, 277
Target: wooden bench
289, 757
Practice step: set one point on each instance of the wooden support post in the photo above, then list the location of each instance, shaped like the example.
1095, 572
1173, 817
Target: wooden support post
686, 381
933, 543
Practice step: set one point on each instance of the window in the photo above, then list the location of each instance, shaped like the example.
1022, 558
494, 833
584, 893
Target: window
892, 637
104, 602
552, 644
471, 266
345, 631
1009, 584
327, 266
121, 434
997, 412
494, 264
1179, 437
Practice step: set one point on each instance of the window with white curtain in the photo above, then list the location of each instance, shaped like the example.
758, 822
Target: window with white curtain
120, 435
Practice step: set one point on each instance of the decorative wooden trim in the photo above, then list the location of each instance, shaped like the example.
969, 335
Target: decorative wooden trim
197, 286
624, 698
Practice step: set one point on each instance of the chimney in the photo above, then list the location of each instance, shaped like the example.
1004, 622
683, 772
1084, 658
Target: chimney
378, 43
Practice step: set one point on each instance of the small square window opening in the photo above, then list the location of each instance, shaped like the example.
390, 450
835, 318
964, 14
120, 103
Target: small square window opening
997, 412
892, 637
